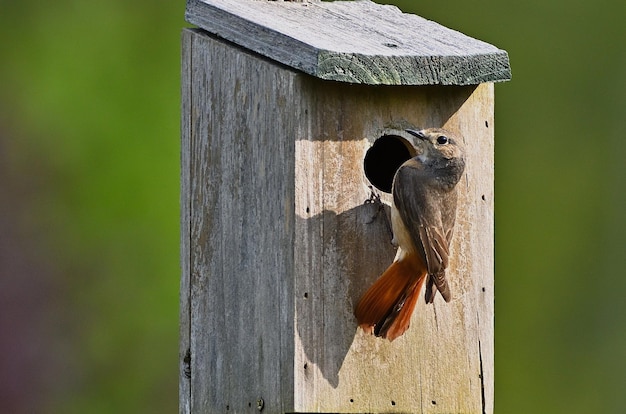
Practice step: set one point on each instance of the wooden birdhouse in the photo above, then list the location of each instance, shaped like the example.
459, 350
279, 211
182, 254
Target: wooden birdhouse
293, 125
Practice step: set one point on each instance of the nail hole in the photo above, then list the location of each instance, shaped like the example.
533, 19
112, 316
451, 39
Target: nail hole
483, 289
391, 45
306, 365
227, 407
351, 400
306, 295
393, 402
487, 124
308, 210
483, 197
434, 402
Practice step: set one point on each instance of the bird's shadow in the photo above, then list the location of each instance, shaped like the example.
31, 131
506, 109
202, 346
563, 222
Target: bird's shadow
348, 252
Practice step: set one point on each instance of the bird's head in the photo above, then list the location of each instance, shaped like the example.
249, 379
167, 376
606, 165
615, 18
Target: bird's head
438, 145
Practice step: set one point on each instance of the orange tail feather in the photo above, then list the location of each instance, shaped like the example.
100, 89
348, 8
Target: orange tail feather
386, 308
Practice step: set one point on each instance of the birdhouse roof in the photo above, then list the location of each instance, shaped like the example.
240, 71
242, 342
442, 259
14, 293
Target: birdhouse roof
352, 41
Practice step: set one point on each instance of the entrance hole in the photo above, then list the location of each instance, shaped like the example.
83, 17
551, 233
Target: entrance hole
384, 158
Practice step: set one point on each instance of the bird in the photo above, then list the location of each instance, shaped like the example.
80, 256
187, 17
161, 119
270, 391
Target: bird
423, 213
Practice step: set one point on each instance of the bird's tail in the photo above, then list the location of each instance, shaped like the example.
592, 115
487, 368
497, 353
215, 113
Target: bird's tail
386, 308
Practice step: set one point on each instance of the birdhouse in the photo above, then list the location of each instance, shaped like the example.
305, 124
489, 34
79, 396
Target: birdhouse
294, 119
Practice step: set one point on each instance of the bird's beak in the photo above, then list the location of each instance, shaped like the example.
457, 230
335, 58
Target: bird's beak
415, 133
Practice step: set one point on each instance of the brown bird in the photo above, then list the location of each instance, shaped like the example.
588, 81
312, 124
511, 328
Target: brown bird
422, 217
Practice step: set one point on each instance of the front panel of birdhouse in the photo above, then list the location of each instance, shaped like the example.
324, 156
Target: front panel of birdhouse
343, 243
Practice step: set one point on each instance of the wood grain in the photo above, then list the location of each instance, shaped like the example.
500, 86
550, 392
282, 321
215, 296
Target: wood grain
280, 243
353, 41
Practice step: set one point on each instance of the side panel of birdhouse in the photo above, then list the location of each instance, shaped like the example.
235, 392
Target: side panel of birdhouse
238, 220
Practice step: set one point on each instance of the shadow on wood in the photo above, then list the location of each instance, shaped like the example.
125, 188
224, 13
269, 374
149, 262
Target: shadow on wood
352, 250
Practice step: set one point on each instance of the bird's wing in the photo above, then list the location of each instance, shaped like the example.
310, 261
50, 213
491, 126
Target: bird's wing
420, 212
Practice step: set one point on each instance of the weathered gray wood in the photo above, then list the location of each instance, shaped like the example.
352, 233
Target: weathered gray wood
241, 252
334, 40
280, 244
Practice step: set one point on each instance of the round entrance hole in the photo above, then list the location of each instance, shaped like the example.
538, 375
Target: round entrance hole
384, 158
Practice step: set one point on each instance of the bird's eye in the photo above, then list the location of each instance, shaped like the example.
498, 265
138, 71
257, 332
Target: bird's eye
442, 140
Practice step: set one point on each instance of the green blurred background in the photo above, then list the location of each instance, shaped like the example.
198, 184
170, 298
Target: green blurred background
89, 167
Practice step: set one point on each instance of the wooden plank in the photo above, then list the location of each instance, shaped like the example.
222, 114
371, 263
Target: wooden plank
241, 232
444, 363
353, 41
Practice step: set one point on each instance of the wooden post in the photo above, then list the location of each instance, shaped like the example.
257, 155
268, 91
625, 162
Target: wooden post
281, 102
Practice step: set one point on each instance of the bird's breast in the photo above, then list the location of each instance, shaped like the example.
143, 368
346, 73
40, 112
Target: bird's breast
401, 234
